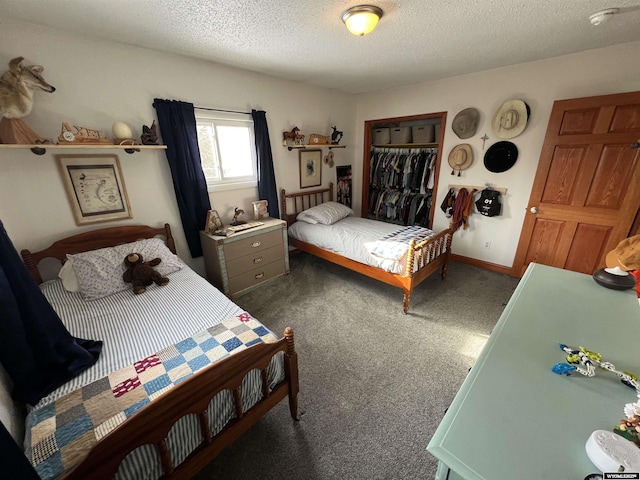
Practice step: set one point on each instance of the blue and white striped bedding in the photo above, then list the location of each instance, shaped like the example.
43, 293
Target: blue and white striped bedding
133, 327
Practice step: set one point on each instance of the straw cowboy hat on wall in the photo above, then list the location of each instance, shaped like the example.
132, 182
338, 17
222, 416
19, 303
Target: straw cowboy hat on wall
460, 158
465, 123
510, 119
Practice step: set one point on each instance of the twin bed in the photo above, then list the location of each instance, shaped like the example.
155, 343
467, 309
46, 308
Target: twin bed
203, 369
184, 371
339, 237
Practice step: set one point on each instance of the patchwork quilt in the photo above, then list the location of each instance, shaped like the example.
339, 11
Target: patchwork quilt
395, 245
60, 434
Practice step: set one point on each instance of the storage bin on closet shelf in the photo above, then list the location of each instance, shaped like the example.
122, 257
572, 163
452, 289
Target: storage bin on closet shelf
400, 135
423, 133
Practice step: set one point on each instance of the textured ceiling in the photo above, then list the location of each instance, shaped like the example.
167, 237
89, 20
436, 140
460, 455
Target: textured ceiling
416, 40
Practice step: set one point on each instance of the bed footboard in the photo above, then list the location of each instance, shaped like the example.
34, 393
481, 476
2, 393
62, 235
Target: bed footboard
151, 424
424, 258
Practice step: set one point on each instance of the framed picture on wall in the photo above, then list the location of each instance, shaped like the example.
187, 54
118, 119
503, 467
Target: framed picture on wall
310, 168
95, 187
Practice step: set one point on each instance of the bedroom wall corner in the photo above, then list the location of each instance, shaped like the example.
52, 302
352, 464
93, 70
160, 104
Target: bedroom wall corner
99, 82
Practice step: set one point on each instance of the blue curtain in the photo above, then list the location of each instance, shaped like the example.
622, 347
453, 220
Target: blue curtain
36, 349
13, 462
266, 177
177, 122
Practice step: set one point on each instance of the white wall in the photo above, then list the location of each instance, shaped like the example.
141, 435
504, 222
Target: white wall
597, 72
101, 82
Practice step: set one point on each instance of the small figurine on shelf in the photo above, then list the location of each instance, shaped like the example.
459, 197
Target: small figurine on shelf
122, 134
237, 213
292, 135
149, 134
336, 136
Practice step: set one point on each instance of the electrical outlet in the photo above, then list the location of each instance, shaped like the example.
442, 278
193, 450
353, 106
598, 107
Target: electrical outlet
487, 244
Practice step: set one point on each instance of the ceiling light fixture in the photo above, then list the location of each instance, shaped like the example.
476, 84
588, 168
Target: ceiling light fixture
362, 19
602, 16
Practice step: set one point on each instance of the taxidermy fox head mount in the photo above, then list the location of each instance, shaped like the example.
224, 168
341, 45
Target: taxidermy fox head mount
17, 86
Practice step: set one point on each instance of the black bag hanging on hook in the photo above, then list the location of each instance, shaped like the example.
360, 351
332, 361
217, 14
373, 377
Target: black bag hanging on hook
489, 203
447, 204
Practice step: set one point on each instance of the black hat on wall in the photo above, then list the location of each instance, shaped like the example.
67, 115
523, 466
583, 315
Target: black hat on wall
500, 157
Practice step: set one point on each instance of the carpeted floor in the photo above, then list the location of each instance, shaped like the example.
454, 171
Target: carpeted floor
374, 383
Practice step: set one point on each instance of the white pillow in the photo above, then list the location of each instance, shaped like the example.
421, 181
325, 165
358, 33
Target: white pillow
99, 272
328, 213
68, 277
303, 217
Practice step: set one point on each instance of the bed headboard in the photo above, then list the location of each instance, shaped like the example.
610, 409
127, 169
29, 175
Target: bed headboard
84, 242
303, 200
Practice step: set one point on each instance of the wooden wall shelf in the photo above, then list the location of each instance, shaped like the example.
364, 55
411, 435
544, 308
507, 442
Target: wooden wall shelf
41, 149
291, 147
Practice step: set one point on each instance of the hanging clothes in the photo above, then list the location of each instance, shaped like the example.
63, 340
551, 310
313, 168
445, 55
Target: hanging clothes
459, 208
401, 182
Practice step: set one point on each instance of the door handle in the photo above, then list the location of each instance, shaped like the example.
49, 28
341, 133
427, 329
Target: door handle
533, 209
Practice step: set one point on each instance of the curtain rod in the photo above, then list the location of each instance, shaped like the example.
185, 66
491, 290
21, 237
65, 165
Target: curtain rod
220, 110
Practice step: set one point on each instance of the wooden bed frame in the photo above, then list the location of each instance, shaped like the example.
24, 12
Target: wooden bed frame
429, 255
153, 422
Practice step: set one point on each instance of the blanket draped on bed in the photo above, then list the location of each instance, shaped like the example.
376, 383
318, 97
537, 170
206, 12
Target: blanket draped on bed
36, 349
395, 245
60, 434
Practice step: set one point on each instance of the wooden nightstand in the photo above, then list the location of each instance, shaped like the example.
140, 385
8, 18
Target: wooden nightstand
244, 260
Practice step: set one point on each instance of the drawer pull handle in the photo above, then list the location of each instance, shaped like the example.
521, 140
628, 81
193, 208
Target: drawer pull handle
257, 260
255, 244
260, 275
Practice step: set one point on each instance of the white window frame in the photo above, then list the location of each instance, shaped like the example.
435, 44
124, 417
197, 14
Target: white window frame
217, 118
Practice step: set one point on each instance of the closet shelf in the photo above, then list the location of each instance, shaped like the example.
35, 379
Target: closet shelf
302, 147
41, 148
405, 145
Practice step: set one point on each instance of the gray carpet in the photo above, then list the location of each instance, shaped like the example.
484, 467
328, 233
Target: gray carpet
374, 383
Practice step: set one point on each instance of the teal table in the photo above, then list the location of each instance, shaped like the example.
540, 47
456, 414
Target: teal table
513, 417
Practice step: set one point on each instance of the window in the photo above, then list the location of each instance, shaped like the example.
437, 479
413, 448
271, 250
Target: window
227, 150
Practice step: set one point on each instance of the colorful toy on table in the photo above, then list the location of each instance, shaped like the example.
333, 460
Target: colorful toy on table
628, 427
589, 361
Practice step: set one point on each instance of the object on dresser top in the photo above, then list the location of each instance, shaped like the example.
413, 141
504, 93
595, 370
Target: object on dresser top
237, 212
260, 209
620, 262
612, 453
589, 361
244, 226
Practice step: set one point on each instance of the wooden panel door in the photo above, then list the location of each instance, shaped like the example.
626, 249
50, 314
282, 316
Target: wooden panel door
586, 193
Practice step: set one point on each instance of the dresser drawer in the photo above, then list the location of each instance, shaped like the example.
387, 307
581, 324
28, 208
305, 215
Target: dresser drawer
255, 259
246, 246
256, 276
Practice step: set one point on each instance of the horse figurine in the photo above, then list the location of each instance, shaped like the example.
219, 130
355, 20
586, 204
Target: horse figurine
336, 136
292, 135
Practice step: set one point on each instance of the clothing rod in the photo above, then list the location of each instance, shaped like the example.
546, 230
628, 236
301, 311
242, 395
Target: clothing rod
220, 110
479, 188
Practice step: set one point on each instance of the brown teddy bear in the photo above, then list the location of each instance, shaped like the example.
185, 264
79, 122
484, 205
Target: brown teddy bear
141, 274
